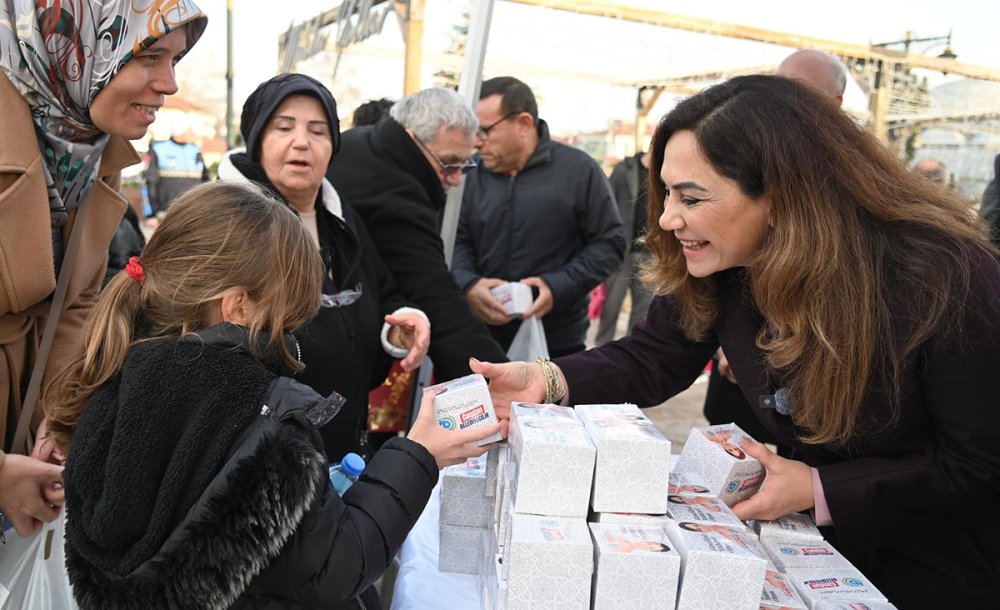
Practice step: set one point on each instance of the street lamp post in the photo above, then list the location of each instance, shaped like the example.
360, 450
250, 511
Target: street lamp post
878, 101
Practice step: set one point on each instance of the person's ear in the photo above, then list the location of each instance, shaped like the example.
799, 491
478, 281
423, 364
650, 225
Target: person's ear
525, 121
237, 307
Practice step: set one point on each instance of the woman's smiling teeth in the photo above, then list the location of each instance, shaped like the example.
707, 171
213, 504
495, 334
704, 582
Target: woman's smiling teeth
693, 245
149, 110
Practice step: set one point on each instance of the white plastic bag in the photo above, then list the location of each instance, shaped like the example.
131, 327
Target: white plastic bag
33, 570
529, 342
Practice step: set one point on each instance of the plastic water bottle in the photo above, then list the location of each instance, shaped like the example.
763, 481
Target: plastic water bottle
344, 474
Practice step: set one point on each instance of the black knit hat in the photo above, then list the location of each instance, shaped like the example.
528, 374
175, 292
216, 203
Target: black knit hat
262, 103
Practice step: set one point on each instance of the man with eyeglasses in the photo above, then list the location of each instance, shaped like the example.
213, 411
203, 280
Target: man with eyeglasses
396, 173
534, 211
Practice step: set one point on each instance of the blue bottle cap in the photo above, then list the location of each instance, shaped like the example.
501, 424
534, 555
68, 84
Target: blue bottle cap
352, 464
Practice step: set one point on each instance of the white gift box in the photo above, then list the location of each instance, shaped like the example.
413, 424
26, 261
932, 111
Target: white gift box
714, 453
460, 549
554, 460
779, 593
703, 509
637, 568
789, 554
465, 403
721, 567
514, 296
496, 460
463, 494
795, 526
631, 519
853, 605
551, 561
687, 484
833, 584
633, 459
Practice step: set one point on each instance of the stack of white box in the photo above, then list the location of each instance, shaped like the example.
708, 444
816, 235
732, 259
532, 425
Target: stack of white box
701, 509
543, 546
677, 545
549, 563
795, 526
820, 573
554, 461
465, 515
721, 567
633, 459
829, 605
636, 568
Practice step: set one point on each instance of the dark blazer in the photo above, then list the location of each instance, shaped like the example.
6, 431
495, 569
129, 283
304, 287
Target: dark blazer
915, 498
381, 172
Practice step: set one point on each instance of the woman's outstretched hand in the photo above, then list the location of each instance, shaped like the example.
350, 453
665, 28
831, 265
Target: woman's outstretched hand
449, 446
511, 382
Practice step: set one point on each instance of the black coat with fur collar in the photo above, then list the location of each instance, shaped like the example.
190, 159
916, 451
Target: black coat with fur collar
196, 479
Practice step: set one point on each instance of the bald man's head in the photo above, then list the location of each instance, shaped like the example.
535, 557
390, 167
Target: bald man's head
821, 70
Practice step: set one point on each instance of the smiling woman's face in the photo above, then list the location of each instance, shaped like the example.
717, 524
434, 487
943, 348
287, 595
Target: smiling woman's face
127, 105
717, 225
296, 148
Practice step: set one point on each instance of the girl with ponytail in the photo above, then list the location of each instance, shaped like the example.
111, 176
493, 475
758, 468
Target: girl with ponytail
195, 474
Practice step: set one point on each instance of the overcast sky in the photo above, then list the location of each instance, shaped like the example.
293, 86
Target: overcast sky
592, 53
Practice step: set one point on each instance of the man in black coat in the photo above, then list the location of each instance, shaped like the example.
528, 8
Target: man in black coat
395, 174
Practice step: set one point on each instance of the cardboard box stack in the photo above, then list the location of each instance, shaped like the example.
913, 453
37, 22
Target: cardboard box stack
464, 403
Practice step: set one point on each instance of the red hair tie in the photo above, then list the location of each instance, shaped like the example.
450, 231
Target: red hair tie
134, 270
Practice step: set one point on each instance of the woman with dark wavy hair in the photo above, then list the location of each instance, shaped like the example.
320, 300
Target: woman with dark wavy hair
859, 312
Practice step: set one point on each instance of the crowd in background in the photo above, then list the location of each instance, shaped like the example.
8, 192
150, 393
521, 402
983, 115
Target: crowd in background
314, 261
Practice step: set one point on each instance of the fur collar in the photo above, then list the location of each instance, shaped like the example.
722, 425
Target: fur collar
254, 495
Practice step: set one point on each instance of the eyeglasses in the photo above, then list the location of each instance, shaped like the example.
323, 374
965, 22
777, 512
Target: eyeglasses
342, 298
484, 132
447, 169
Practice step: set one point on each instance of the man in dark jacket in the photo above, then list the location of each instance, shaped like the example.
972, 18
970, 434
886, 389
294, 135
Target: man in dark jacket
534, 211
395, 174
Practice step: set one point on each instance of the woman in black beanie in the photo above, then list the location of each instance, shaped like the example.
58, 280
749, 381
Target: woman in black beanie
291, 130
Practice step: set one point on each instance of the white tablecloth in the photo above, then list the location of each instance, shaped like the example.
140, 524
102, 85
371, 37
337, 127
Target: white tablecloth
419, 584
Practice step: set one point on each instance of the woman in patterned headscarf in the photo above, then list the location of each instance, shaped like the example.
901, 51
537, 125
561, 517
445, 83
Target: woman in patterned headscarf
77, 81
